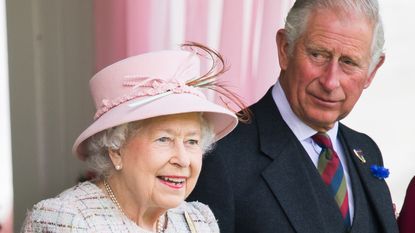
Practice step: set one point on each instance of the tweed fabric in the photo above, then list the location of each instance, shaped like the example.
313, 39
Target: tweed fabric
86, 208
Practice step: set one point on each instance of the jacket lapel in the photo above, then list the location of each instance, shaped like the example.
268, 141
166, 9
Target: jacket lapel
292, 188
296, 191
376, 189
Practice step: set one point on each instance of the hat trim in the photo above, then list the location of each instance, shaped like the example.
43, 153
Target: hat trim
154, 87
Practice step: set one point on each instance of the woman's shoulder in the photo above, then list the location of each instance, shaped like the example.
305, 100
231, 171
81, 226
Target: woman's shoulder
76, 198
67, 211
194, 214
196, 208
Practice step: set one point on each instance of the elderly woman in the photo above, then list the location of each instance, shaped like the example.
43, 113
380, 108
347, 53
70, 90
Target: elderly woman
151, 128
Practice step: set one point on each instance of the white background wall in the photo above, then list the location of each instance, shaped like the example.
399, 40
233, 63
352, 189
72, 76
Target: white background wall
6, 191
386, 110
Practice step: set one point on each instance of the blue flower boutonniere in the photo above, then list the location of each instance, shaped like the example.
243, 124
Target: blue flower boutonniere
379, 172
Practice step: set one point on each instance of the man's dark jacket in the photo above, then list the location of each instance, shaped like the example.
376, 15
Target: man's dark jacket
259, 179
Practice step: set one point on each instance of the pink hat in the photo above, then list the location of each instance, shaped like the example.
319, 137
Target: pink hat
150, 85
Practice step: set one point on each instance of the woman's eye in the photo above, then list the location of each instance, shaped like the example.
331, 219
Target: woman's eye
193, 142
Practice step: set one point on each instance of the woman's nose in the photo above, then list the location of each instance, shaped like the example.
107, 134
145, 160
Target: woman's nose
181, 157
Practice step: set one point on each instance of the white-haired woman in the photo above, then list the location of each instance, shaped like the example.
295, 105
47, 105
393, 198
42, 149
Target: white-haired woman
151, 128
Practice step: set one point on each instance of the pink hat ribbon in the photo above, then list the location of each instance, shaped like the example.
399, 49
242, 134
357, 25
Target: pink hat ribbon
146, 86
154, 87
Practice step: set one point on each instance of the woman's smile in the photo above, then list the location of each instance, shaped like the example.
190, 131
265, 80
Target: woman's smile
174, 182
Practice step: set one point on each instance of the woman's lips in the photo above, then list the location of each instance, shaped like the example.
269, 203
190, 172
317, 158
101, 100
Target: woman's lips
175, 182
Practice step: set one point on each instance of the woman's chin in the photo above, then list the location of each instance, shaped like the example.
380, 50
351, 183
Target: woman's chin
170, 201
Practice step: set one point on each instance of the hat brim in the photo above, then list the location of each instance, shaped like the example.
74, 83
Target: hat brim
219, 118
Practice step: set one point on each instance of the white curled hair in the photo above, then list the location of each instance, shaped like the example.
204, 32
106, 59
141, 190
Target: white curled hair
114, 138
297, 19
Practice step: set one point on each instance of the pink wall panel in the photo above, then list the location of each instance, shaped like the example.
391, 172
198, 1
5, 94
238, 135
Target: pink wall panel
245, 35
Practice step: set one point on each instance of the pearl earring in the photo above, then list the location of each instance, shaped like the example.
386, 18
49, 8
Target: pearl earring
117, 167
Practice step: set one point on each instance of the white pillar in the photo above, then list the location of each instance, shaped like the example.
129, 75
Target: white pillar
6, 193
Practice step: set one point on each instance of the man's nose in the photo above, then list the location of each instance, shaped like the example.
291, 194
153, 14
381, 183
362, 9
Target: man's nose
330, 80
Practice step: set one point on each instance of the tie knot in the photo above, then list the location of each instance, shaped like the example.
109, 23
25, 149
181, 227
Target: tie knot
323, 140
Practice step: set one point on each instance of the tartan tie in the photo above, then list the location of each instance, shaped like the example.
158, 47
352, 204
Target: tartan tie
331, 171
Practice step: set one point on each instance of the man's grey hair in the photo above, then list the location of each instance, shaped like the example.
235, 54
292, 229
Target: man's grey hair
297, 19
114, 138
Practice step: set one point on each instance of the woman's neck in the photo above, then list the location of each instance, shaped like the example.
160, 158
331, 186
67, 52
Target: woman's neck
141, 214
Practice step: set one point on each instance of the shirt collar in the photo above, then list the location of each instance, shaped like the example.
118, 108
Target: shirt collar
302, 131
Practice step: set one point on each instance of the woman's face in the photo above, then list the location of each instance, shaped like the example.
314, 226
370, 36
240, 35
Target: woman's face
162, 162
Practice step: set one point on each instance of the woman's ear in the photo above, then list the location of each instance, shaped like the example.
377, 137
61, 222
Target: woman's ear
115, 157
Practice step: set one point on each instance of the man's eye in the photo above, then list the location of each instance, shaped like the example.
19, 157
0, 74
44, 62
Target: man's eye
318, 56
164, 139
349, 62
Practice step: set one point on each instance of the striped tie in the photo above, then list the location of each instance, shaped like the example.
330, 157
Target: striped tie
331, 171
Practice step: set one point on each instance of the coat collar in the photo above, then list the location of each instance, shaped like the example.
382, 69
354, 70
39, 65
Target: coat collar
291, 187
288, 175
376, 189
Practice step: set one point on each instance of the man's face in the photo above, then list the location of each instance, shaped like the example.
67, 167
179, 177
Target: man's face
328, 68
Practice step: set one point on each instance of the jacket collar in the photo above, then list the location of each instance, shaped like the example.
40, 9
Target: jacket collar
376, 189
286, 173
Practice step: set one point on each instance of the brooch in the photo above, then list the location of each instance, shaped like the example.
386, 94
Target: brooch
359, 154
379, 172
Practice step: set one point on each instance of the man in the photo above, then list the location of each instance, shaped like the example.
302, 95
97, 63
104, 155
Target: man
269, 176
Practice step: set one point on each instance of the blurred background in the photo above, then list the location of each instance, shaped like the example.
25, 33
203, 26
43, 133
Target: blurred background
49, 49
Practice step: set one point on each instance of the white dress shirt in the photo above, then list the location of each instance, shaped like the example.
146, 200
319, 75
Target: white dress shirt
304, 133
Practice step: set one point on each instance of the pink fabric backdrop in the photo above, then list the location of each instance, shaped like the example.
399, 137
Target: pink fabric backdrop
7, 225
243, 31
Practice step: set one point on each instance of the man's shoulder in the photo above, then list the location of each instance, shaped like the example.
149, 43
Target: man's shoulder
356, 140
354, 135
245, 130
244, 136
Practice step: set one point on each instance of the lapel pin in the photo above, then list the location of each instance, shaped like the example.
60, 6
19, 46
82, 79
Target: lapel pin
359, 155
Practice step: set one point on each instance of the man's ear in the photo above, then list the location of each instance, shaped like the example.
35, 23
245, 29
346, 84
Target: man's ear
282, 46
373, 72
115, 157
